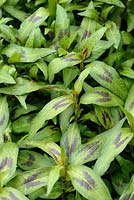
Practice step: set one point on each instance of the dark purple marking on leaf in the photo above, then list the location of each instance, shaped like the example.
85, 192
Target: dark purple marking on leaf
60, 104
106, 99
35, 18
83, 184
86, 34
69, 58
89, 179
32, 184
126, 197
118, 142
107, 76
30, 119
62, 33
2, 120
90, 149
6, 162
131, 106
70, 147
31, 160
104, 94
5, 138
132, 197
31, 178
12, 196
55, 152
4, 198
105, 117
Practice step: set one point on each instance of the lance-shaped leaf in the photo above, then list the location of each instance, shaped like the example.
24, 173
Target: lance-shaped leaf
23, 86
7, 33
53, 177
49, 111
88, 183
88, 44
105, 117
61, 23
5, 76
87, 152
113, 33
108, 77
100, 96
28, 160
129, 104
58, 64
116, 140
4, 116
70, 140
32, 22
50, 148
114, 2
31, 180
18, 53
9, 193
128, 193
79, 82
8, 161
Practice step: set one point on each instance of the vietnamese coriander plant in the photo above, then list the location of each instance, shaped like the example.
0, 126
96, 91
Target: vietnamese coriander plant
66, 99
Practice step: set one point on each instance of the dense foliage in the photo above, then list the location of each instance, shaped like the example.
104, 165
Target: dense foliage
66, 99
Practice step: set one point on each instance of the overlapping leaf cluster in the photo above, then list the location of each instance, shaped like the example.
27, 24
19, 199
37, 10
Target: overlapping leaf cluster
66, 99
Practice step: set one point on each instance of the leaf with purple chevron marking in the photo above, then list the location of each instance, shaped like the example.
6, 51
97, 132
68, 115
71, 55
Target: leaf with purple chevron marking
31, 180
49, 111
88, 183
128, 193
4, 116
116, 139
70, 140
102, 97
8, 161
9, 193
108, 77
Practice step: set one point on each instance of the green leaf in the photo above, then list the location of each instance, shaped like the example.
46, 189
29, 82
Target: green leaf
70, 140
22, 100
128, 193
2, 2
61, 23
15, 12
28, 160
100, 96
58, 64
22, 124
89, 43
23, 86
105, 117
5, 74
8, 162
88, 183
11, 194
49, 111
53, 177
113, 34
114, 2
65, 117
108, 77
32, 22
8, 33
50, 148
130, 22
18, 53
86, 152
29, 181
4, 117
129, 104
115, 142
